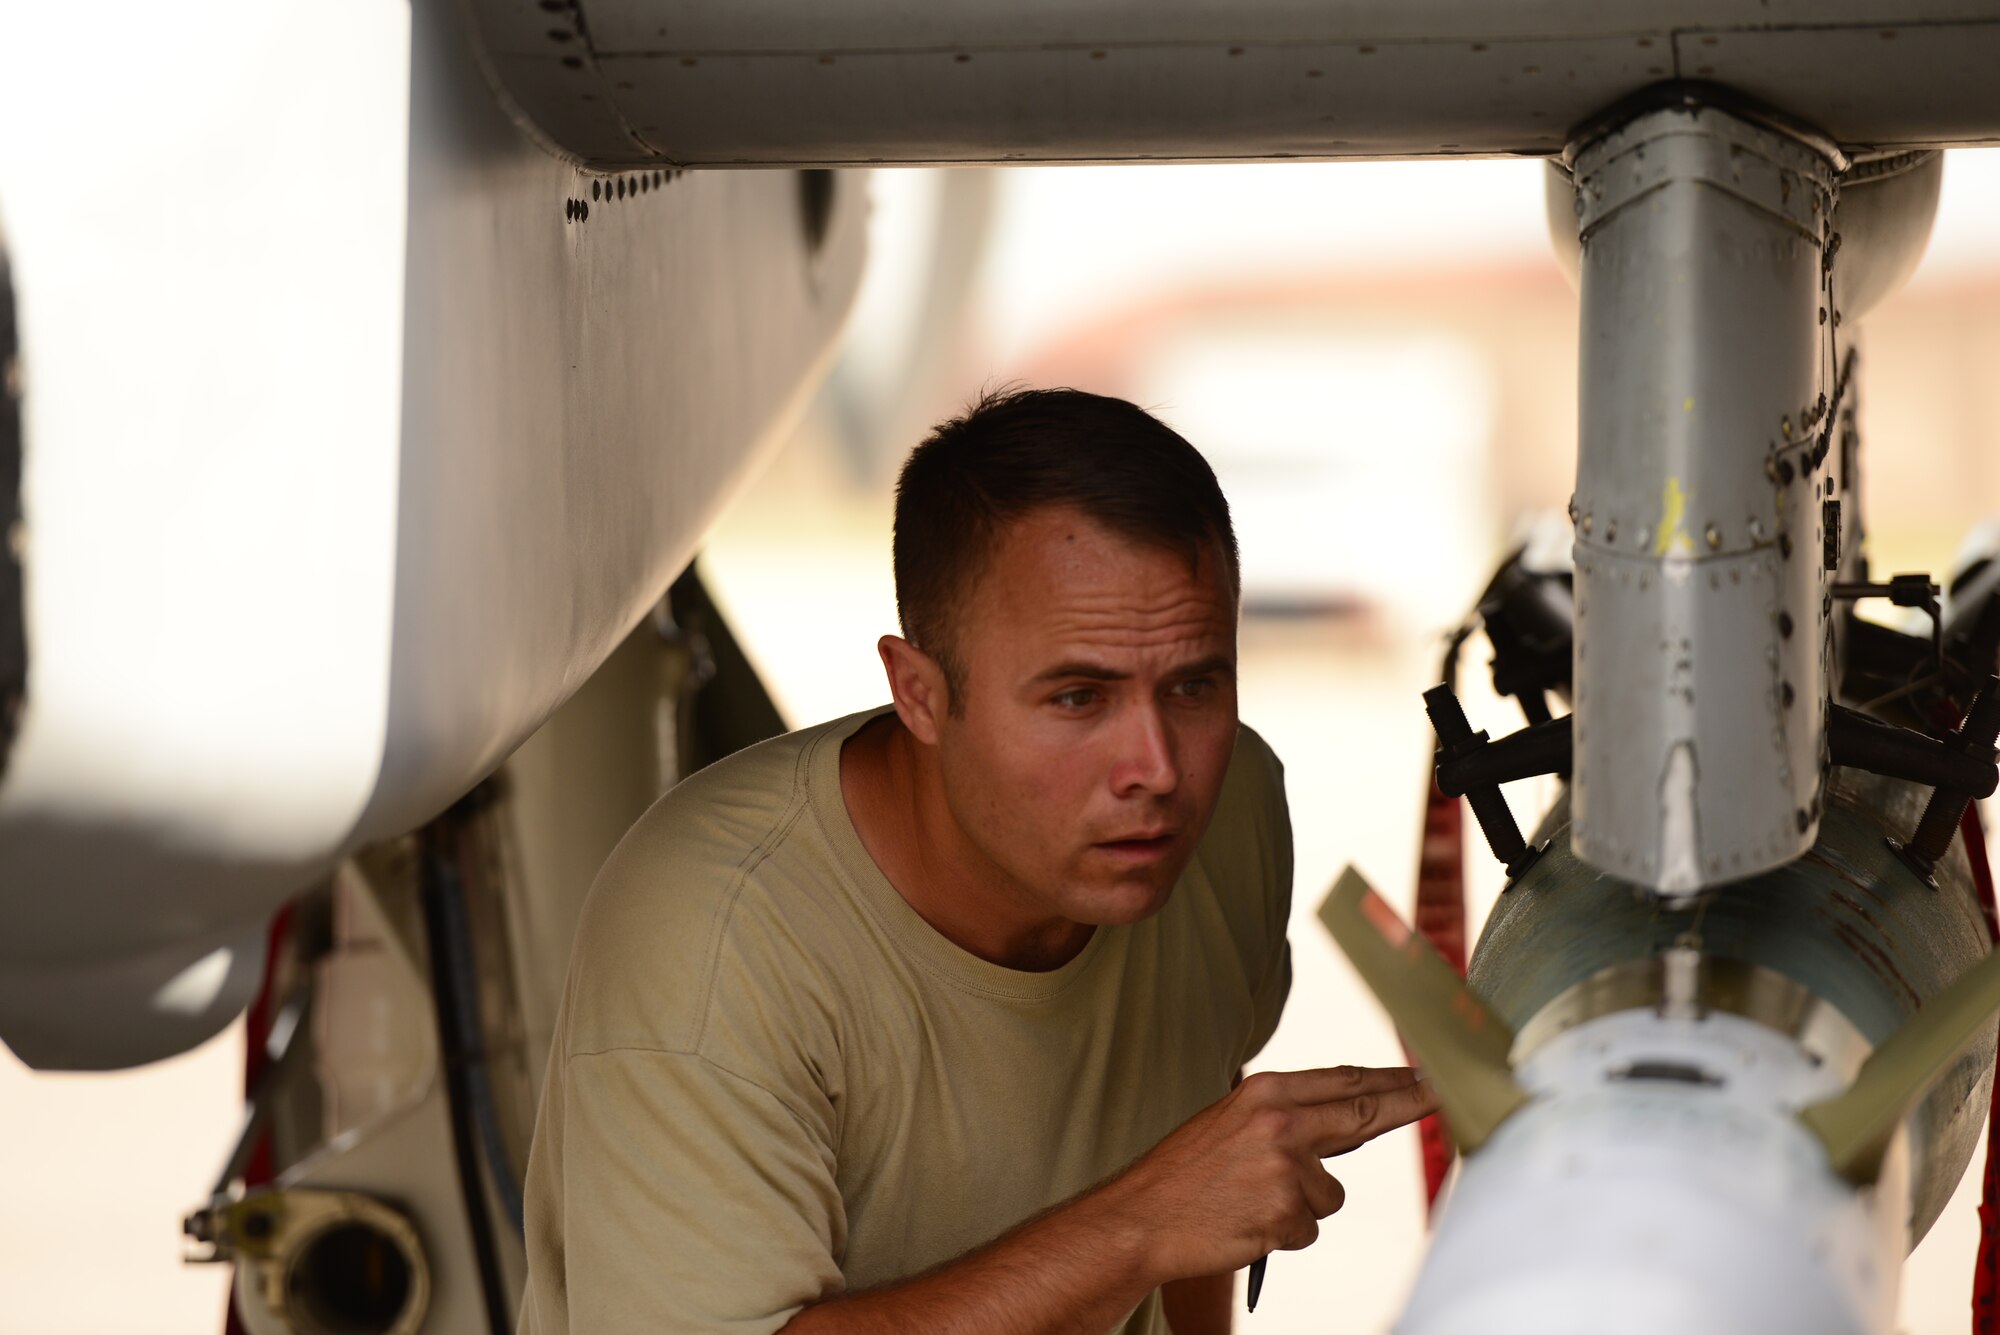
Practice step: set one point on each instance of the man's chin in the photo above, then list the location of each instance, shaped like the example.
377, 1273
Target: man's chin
1124, 901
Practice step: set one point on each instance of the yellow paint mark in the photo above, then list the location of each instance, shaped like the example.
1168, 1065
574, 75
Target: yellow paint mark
1673, 510
1687, 405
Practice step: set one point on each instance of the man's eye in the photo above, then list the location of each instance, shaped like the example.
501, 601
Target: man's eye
1076, 698
1194, 687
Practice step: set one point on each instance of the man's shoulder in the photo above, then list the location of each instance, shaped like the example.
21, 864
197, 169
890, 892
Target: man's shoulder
1251, 813
733, 805
1255, 763
710, 888
715, 823
1246, 853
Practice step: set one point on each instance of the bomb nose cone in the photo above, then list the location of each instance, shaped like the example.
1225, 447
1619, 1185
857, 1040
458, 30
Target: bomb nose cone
1626, 1300
1659, 1182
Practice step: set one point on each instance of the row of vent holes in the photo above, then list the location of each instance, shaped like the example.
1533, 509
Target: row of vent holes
620, 188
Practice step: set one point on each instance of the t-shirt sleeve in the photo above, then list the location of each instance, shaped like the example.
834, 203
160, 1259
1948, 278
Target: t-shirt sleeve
695, 1199
1274, 981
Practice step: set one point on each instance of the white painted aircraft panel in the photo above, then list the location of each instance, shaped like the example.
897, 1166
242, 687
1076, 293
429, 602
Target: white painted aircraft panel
358, 431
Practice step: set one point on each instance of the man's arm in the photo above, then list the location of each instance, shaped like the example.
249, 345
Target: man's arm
1239, 1179
1201, 1305
1078, 1268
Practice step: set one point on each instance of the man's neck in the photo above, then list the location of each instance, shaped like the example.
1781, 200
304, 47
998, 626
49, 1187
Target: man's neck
895, 797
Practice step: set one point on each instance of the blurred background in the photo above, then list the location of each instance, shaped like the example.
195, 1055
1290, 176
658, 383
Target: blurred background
1380, 361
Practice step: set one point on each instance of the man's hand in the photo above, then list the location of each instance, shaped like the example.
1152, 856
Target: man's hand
1243, 1177
1239, 1179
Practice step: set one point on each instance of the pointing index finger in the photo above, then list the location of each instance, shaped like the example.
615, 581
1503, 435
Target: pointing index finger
1337, 1126
1333, 1083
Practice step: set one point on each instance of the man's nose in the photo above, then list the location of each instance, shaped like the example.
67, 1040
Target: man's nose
1146, 758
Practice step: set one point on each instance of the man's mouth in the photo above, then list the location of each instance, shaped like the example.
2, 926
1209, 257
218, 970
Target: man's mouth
1140, 847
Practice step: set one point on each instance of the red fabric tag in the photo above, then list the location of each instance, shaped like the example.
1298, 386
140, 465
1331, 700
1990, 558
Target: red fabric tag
1440, 919
1986, 1264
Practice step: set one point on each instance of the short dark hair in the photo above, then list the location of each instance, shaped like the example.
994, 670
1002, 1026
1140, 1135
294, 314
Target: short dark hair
1020, 450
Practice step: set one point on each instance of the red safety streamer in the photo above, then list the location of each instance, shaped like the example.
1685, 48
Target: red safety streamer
1986, 1264
258, 1169
1440, 916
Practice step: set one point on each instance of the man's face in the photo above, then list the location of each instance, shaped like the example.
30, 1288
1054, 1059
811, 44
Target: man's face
1099, 715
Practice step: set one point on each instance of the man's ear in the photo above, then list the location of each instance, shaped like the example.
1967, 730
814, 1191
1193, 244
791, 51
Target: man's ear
917, 685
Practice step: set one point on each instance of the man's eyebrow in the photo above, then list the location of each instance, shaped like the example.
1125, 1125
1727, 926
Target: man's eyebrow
1214, 665
1087, 671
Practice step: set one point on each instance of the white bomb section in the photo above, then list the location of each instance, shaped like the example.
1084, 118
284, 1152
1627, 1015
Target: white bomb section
1655, 1148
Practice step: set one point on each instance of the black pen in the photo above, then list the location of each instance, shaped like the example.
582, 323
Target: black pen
1257, 1279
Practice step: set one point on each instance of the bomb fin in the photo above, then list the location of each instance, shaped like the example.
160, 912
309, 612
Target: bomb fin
1857, 1124
1461, 1045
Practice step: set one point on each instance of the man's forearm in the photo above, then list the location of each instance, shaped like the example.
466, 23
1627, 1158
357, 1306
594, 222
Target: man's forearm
1236, 1181
1201, 1305
1077, 1270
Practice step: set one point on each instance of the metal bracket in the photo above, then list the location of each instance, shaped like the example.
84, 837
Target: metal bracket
1942, 814
1461, 750
1919, 591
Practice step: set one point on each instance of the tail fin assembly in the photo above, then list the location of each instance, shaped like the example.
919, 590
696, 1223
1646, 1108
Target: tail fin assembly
1461, 1045
1856, 1125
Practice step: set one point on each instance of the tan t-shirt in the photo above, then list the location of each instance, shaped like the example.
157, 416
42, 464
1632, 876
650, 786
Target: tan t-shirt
773, 1082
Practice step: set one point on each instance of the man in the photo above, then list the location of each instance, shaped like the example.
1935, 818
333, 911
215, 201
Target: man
927, 1019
